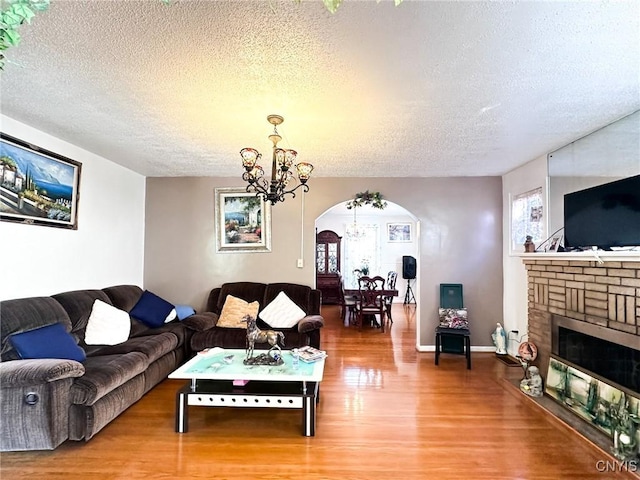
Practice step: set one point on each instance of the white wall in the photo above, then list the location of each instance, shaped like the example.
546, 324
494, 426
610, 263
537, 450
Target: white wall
528, 177
106, 249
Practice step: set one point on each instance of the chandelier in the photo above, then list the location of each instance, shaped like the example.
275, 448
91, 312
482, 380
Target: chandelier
353, 231
282, 180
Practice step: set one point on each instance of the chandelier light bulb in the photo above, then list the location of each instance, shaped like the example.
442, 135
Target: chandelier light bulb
289, 158
304, 171
257, 172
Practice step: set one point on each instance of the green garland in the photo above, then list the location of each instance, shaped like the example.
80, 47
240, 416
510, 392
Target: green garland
16, 13
367, 198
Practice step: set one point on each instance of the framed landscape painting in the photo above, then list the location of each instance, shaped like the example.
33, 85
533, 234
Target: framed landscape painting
243, 221
399, 232
37, 187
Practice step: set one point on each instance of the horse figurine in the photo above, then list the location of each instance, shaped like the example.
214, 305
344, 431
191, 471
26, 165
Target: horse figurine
255, 335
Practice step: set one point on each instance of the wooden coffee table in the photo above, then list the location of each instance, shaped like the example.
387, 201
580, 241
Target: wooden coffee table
218, 378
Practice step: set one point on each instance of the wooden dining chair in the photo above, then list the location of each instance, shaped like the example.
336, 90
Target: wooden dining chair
388, 299
371, 299
348, 310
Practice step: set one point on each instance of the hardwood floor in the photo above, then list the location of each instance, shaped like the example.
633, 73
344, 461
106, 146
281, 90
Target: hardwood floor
386, 412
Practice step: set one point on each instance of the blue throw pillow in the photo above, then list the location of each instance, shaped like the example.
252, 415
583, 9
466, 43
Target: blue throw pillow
151, 309
50, 341
184, 311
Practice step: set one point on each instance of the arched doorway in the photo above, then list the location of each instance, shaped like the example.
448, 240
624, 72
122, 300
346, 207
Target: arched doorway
378, 244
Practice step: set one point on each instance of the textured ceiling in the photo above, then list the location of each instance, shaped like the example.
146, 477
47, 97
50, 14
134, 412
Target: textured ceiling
422, 89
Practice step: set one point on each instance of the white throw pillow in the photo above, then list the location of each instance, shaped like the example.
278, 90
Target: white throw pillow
282, 312
107, 325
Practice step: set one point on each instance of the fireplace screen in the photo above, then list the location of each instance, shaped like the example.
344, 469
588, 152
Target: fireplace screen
595, 401
612, 361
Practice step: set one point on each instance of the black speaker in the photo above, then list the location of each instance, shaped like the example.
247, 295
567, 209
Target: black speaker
408, 267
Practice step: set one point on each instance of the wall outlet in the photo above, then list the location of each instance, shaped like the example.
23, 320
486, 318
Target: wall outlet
300, 263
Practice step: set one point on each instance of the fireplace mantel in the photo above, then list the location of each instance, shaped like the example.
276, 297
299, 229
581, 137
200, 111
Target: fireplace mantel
616, 256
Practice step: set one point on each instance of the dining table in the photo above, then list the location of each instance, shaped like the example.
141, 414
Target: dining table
349, 301
354, 292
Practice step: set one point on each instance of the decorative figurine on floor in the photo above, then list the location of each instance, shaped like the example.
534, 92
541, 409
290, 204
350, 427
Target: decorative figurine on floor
529, 246
500, 340
254, 335
531, 384
527, 353
624, 427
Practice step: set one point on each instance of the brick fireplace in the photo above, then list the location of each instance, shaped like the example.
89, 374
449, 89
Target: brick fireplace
605, 296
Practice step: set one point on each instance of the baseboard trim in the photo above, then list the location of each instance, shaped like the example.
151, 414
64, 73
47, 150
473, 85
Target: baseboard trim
432, 348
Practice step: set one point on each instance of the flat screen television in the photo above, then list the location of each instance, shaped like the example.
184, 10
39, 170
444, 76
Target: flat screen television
604, 216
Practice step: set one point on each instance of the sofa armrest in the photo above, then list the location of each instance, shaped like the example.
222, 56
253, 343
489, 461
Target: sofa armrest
201, 321
310, 322
212, 301
17, 373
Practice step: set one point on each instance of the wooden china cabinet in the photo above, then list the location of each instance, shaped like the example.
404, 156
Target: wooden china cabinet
328, 279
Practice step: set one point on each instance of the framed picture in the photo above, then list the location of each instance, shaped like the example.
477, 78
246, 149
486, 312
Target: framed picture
243, 221
555, 243
37, 187
399, 232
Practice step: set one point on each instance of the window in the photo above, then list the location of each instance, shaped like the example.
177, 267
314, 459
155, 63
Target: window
526, 218
362, 249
